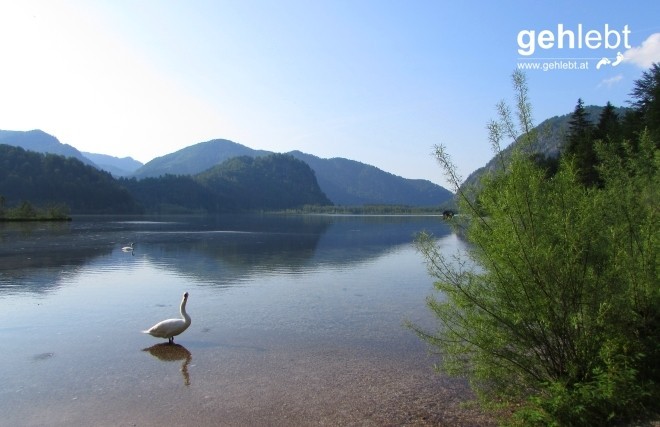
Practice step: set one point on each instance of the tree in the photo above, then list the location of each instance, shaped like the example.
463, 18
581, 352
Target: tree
646, 100
25, 210
554, 306
608, 127
581, 144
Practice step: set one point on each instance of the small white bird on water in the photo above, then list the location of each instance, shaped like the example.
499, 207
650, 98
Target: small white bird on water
128, 248
171, 327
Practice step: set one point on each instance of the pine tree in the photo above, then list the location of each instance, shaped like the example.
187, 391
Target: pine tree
646, 100
581, 144
608, 126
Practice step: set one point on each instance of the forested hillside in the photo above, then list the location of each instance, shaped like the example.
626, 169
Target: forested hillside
176, 194
242, 183
45, 179
345, 182
348, 182
277, 181
196, 158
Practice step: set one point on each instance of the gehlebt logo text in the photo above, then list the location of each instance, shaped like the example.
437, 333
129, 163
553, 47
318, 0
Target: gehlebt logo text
532, 43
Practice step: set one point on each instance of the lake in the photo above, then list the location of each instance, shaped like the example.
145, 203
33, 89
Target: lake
296, 319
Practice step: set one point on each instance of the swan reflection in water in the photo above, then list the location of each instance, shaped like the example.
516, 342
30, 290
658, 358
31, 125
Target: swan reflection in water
171, 353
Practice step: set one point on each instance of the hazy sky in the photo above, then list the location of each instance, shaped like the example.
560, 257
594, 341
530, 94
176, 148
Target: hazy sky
376, 81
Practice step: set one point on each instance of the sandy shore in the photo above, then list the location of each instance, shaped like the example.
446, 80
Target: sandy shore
330, 388
327, 387
342, 392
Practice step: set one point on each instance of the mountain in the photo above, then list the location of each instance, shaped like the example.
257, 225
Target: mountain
349, 182
243, 183
345, 182
196, 158
51, 179
124, 166
550, 141
277, 181
41, 142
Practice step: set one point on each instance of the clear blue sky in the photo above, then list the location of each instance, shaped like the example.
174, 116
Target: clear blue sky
376, 81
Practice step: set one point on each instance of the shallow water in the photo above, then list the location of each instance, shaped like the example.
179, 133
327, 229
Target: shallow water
285, 310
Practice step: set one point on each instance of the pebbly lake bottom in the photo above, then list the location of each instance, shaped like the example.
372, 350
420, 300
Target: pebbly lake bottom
295, 321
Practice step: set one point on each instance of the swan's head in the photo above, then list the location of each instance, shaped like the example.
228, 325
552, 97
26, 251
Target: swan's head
185, 295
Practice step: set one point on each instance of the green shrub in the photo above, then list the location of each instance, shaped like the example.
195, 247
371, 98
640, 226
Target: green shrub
553, 310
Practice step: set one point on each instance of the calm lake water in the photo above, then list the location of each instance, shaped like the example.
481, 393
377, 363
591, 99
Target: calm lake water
280, 306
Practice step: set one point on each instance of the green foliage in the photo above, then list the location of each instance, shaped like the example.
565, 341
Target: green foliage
174, 194
554, 308
49, 179
646, 101
239, 184
608, 126
581, 145
26, 212
277, 181
551, 140
272, 182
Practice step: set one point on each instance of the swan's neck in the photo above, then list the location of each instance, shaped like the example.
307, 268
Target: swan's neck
185, 315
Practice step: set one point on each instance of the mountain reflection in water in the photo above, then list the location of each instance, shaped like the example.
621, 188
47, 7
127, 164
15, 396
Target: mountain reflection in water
34, 257
290, 311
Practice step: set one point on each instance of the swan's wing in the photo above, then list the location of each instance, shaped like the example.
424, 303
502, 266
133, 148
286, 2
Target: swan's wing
167, 328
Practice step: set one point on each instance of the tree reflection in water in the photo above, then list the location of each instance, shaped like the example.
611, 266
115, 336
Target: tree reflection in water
171, 353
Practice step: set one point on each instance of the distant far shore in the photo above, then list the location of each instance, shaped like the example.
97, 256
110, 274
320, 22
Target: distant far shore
35, 219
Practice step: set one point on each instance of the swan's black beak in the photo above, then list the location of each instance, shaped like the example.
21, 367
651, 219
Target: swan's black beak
185, 295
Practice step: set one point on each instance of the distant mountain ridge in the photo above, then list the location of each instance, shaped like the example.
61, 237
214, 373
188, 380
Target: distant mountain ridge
196, 158
345, 182
124, 166
41, 142
349, 182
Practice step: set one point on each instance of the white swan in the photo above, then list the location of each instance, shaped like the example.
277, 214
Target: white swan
128, 248
171, 327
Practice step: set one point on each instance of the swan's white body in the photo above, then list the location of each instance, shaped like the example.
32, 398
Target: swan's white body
171, 327
128, 248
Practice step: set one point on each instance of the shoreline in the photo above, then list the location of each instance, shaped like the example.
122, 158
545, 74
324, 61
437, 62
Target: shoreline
36, 219
323, 387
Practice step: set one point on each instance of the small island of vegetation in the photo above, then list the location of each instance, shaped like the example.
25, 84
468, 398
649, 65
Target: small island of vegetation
27, 212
